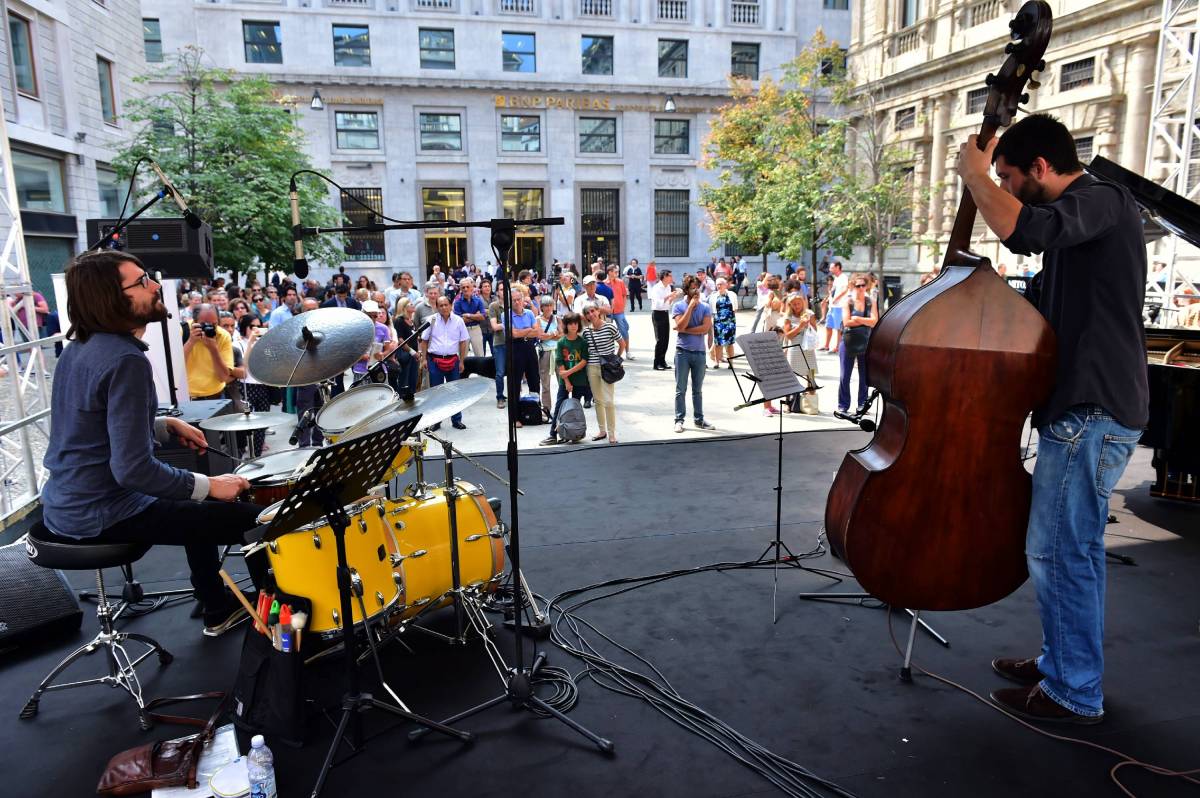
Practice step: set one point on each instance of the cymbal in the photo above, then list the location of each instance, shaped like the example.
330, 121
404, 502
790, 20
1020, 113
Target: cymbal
313, 346
245, 422
433, 405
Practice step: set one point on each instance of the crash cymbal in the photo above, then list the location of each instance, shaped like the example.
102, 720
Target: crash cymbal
245, 422
433, 405
313, 346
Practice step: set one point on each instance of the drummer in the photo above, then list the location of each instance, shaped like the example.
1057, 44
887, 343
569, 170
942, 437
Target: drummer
105, 483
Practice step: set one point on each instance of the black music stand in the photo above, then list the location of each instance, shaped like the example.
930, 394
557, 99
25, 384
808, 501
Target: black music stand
333, 478
774, 379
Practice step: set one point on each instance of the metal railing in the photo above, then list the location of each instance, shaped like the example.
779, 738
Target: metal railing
673, 10
743, 13
595, 8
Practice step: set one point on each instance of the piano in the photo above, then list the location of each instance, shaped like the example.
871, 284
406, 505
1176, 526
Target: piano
1172, 354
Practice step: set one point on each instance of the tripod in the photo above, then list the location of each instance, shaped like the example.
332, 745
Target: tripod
773, 374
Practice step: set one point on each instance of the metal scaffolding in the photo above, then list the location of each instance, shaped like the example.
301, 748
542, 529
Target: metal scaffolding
25, 403
1173, 150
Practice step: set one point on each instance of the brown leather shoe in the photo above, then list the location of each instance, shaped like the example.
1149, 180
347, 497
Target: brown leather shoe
1030, 703
1021, 671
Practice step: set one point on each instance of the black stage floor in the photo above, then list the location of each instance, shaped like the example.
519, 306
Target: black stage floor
819, 687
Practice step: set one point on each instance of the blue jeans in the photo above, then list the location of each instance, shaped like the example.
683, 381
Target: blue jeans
1081, 455
848, 361
500, 356
437, 377
689, 362
622, 324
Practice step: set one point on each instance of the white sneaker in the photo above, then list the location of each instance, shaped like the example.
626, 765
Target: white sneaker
679, 426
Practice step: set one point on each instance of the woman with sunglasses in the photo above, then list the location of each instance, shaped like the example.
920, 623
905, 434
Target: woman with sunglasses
861, 315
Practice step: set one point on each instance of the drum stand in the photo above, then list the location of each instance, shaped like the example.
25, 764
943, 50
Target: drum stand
334, 478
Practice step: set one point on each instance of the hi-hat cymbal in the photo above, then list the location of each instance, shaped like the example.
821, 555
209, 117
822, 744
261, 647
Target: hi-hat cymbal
433, 405
245, 422
313, 346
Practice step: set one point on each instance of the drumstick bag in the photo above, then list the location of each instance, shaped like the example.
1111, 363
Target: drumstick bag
269, 692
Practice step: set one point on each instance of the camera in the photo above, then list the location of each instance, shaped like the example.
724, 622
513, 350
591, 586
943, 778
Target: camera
210, 330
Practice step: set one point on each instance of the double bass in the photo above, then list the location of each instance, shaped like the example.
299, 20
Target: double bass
931, 515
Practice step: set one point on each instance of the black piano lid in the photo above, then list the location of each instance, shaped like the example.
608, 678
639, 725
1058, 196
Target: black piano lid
1174, 213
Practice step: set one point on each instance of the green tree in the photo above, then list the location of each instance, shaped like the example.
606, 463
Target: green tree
230, 146
779, 152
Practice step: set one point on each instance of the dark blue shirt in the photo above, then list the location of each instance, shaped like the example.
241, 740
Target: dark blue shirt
604, 291
473, 305
101, 452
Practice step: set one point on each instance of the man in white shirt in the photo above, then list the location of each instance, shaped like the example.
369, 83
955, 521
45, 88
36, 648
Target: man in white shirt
589, 295
662, 295
444, 346
286, 309
837, 298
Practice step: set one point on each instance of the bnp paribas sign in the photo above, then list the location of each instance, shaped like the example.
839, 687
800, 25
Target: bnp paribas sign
550, 101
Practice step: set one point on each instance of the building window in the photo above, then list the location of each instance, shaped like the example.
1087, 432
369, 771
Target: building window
529, 251
263, 42
108, 97
152, 40
976, 100
521, 133
445, 247
363, 246
111, 194
906, 118
21, 41
351, 45
600, 224
597, 52
441, 132
520, 52
39, 182
904, 219
910, 12
670, 223
838, 5
357, 130
744, 60
437, 48
597, 135
1077, 73
671, 136
672, 58
834, 64
1084, 149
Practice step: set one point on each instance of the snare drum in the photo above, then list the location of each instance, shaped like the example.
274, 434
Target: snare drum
379, 421
273, 481
352, 408
305, 564
420, 532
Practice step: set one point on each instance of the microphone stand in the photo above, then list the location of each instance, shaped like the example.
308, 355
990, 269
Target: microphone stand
518, 681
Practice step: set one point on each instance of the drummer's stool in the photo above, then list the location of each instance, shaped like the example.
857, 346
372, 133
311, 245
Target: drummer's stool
53, 551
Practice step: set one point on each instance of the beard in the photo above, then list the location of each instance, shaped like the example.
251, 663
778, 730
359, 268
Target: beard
157, 311
1033, 192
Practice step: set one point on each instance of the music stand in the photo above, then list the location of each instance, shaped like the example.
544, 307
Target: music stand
333, 478
774, 379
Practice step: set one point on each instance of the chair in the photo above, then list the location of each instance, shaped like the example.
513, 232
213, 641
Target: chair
52, 551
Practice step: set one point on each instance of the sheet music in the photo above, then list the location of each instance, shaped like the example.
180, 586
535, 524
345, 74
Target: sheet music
767, 361
220, 752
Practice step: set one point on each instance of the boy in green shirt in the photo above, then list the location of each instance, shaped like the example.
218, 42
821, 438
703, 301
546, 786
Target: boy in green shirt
570, 364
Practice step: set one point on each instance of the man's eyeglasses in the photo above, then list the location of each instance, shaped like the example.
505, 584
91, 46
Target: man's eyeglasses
143, 281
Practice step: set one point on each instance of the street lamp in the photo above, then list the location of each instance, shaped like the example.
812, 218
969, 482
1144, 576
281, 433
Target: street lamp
317, 103
669, 105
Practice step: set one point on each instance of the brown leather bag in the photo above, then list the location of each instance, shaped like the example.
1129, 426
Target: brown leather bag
167, 763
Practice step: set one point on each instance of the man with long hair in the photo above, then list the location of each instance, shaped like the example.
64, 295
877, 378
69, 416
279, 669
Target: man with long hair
1093, 285
105, 483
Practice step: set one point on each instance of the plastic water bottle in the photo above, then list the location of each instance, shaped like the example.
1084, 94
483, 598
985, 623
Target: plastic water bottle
260, 767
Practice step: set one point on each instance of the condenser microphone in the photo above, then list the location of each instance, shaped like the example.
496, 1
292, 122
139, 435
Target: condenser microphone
300, 266
189, 215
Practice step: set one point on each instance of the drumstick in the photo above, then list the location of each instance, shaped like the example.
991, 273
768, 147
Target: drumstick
237, 593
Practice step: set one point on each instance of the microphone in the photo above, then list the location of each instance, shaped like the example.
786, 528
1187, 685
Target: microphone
306, 421
300, 265
189, 215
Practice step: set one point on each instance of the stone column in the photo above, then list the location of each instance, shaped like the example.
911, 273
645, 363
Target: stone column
1138, 88
940, 107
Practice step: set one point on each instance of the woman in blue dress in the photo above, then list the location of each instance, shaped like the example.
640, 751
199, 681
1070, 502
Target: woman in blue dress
724, 322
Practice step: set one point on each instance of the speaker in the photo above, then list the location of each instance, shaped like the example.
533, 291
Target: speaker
168, 245
33, 600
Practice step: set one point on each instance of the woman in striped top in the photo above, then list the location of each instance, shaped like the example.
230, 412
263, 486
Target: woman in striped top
603, 338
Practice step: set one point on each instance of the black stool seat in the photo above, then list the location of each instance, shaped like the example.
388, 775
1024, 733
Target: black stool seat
55, 551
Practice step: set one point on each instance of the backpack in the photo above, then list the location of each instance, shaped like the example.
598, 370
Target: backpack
529, 411
572, 423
